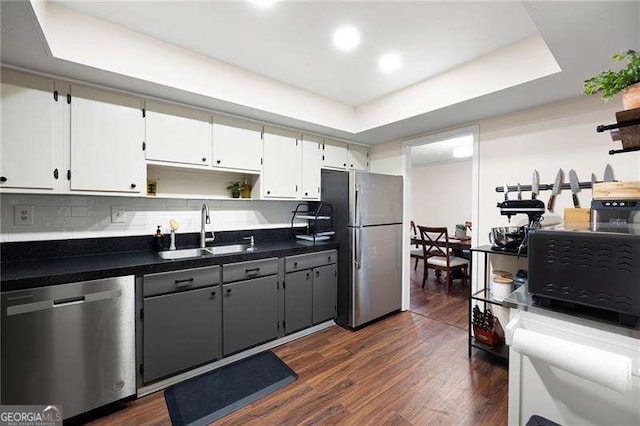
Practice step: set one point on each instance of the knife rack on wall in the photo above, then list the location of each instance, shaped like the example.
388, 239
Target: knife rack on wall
542, 187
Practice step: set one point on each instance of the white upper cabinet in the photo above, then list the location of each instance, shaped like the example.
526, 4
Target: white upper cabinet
334, 155
311, 165
237, 147
107, 132
29, 114
282, 172
177, 135
358, 158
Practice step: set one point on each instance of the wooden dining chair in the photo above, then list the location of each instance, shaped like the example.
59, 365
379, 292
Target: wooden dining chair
416, 252
436, 256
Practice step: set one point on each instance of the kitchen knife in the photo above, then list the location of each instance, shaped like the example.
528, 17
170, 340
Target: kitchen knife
575, 187
519, 191
557, 187
535, 185
608, 173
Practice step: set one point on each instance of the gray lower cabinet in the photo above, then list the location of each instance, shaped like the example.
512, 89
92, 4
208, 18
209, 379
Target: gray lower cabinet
181, 330
297, 301
249, 313
324, 293
310, 290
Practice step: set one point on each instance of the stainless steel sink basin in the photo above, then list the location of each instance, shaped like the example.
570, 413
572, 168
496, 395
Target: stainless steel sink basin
201, 252
184, 254
228, 249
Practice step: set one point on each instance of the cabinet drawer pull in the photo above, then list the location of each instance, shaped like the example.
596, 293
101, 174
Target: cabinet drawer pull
228, 291
133, 186
253, 271
317, 273
3, 179
329, 258
295, 264
184, 282
213, 293
308, 275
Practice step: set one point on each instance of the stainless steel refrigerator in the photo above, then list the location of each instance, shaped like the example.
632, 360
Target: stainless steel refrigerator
368, 224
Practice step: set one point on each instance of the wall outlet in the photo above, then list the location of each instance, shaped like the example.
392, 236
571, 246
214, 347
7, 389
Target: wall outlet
23, 215
117, 214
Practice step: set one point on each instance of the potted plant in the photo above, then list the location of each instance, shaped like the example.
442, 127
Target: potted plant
627, 80
461, 230
235, 188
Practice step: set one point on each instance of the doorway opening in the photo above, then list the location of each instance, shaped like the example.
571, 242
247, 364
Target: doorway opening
440, 181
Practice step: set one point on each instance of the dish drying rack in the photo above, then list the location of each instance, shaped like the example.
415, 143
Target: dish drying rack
319, 217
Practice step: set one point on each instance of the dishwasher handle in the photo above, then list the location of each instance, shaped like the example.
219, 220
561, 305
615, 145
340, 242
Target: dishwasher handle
62, 302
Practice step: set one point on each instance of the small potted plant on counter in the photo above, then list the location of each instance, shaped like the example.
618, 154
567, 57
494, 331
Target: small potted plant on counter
461, 230
627, 80
235, 188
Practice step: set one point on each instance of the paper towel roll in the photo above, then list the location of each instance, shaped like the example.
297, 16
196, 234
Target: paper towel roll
603, 367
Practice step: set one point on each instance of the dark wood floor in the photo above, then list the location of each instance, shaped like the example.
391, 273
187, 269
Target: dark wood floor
410, 368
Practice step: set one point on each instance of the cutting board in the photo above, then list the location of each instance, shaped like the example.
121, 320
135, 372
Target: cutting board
616, 191
630, 135
577, 216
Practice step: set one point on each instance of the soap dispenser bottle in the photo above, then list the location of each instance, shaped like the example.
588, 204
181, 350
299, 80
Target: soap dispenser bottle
158, 240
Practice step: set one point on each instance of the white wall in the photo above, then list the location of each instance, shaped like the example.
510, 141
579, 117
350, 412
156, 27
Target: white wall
559, 135
441, 194
69, 216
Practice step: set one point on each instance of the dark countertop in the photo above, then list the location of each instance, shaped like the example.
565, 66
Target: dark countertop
24, 274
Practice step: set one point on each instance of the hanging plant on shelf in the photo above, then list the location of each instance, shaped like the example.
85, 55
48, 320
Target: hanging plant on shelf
610, 83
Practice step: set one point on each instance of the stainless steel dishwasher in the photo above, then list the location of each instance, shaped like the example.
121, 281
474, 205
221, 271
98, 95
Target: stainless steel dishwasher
70, 344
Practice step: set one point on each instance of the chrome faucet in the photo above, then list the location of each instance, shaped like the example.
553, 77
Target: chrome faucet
205, 220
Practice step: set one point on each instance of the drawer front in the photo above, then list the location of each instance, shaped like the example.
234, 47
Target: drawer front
186, 279
311, 260
248, 270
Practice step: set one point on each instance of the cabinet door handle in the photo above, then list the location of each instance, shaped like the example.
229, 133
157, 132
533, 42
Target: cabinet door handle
55, 173
182, 283
204, 158
306, 193
218, 161
295, 264
308, 275
133, 186
228, 291
329, 258
3, 179
345, 164
213, 293
296, 188
268, 192
352, 166
317, 273
253, 271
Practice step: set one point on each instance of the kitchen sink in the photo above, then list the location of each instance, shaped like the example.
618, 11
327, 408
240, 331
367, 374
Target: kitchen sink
228, 249
202, 252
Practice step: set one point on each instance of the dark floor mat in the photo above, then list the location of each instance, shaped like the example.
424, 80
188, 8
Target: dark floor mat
206, 398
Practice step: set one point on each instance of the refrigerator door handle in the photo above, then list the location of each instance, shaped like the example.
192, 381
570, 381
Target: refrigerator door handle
358, 248
356, 213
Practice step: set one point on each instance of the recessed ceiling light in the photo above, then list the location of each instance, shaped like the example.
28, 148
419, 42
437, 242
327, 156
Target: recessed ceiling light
390, 62
346, 38
463, 151
262, 3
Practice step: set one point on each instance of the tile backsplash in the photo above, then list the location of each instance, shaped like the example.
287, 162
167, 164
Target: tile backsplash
74, 216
